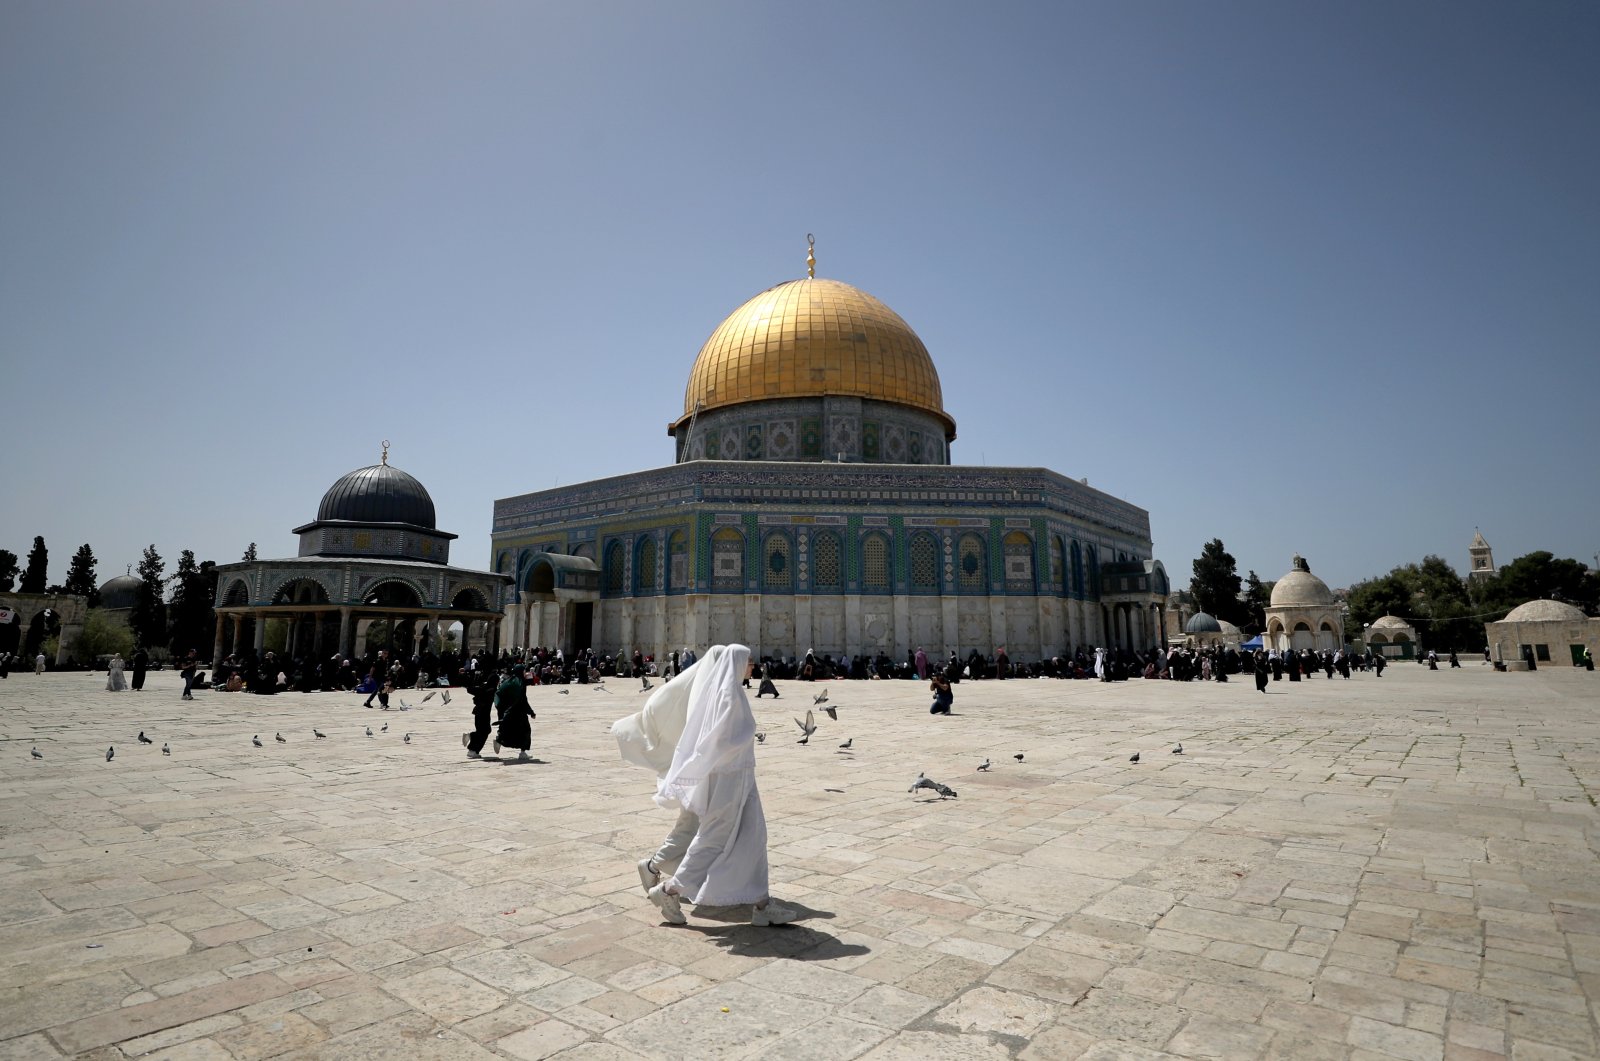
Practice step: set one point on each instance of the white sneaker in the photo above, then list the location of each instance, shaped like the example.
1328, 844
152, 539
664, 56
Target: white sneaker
773, 914
671, 909
647, 876
474, 755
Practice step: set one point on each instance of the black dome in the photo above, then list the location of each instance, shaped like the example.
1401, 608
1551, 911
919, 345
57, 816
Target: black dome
120, 592
379, 494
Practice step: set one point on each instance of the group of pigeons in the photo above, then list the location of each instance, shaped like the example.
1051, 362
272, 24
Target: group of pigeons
111, 749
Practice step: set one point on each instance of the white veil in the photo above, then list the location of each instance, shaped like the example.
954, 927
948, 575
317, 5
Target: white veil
650, 737
718, 736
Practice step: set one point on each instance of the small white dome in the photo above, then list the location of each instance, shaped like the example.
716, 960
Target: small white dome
1545, 611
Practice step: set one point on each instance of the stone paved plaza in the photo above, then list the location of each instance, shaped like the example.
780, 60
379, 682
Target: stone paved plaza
1394, 868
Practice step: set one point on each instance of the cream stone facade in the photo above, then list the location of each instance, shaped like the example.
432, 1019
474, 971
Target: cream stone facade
1304, 613
1550, 633
1391, 636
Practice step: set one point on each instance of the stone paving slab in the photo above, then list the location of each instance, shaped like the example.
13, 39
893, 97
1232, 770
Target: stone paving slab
1402, 867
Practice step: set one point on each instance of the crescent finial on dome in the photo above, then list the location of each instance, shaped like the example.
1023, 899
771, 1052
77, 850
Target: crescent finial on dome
385, 457
811, 256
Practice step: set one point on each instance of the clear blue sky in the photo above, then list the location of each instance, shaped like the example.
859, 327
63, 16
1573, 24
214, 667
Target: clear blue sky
1316, 278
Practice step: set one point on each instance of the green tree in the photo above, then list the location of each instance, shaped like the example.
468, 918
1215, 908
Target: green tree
8, 570
80, 576
250, 553
1536, 576
1216, 584
1376, 597
149, 616
191, 622
35, 577
1258, 597
101, 636
1430, 596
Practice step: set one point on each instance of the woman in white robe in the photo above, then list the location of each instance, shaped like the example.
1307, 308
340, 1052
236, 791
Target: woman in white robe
115, 682
713, 775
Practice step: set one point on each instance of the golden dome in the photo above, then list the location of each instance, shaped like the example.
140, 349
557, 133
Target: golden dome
809, 338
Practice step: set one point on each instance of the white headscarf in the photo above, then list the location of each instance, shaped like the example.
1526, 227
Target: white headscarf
718, 736
650, 737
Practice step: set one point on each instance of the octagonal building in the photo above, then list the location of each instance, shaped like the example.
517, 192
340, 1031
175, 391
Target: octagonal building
813, 505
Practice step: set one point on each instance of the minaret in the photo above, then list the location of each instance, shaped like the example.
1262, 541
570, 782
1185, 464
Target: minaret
1482, 557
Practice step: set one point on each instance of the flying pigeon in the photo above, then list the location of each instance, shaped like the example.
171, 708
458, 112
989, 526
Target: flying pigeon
280, 738
143, 739
833, 713
984, 765
369, 731
846, 744
1178, 750
385, 728
1133, 758
408, 738
807, 728
599, 687
256, 740
1017, 757
445, 696
646, 680
37, 754
404, 706
166, 749
425, 699
317, 733
944, 791
820, 698
111, 753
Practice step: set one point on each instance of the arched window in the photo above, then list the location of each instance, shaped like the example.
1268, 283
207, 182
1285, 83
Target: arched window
874, 564
1018, 549
1094, 571
972, 574
678, 560
644, 567
826, 571
924, 563
727, 559
612, 578
777, 567
1077, 568
1058, 560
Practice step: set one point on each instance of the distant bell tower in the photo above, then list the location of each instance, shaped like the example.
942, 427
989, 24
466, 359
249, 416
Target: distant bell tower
1482, 557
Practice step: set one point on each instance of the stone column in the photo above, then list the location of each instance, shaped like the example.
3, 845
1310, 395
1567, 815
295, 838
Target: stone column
238, 631
344, 632
261, 632
216, 646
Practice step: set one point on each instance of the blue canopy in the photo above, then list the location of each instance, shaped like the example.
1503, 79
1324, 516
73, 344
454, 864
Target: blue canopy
1251, 645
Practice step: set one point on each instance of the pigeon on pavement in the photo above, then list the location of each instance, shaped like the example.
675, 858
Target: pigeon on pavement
111, 753
645, 679
256, 740
37, 754
1178, 750
564, 692
143, 739
984, 765
807, 728
166, 749
1133, 758
317, 733
279, 738
944, 791
1017, 757
761, 738
404, 706
369, 731
846, 744
385, 728
408, 738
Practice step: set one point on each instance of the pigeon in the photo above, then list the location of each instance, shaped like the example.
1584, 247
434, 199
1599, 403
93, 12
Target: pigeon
564, 692
445, 696
279, 738
846, 744
166, 749
820, 698
111, 753
403, 705
37, 754
407, 738
317, 733
385, 728
1017, 757
599, 687
369, 731
833, 713
984, 765
256, 740
944, 791
430, 696
761, 738
1133, 758
143, 739
807, 728
646, 680
1178, 750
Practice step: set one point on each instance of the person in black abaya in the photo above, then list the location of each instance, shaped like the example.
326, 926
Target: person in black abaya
141, 663
516, 729
1261, 672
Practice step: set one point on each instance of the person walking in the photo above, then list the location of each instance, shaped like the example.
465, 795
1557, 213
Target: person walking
482, 690
713, 774
649, 738
141, 662
115, 682
516, 716
190, 667
38, 663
